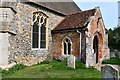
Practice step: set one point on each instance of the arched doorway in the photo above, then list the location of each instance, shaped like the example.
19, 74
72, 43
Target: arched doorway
66, 46
95, 47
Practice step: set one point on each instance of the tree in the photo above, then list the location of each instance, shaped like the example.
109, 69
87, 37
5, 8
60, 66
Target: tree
114, 38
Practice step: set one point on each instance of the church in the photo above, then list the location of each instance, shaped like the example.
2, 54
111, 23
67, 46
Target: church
32, 31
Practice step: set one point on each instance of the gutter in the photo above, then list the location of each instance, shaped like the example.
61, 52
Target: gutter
80, 44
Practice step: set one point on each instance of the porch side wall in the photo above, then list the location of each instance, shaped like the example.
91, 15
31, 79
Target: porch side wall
57, 50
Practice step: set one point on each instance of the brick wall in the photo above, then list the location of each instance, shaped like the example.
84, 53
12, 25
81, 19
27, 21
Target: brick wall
95, 28
57, 43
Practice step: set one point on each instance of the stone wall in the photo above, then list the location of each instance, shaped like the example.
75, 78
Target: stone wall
8, 21
7, 27
106, 48
20, 44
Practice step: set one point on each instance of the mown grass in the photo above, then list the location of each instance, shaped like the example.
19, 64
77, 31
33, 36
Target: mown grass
0, 71
55, 69
115, 61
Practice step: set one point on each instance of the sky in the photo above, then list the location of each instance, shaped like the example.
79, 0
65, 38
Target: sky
109, 11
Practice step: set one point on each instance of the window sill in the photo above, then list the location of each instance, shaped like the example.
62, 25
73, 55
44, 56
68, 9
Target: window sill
65, 56
38, 49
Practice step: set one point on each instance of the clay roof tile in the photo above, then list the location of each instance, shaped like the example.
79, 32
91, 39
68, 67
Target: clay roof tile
75, 20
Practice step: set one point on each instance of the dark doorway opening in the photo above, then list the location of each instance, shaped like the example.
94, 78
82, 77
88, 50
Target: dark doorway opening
95, 47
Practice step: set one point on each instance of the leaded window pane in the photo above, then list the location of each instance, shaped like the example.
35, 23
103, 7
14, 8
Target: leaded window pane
43, 29
43, 36
35, 40
35, 28
43, 44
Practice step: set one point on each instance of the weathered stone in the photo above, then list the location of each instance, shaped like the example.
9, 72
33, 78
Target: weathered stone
94, 52
20, 49
4, 48
71, 61
110, 72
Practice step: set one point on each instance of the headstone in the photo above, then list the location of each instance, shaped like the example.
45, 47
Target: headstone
109, 73
112, 54
71, 61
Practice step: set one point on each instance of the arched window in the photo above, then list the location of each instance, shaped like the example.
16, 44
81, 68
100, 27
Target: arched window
39, 30
67, 46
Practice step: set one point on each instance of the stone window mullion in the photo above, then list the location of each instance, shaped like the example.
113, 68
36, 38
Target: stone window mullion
67, 48
39, 35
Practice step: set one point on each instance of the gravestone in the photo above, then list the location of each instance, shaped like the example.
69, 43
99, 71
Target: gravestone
71, 61
109, 73
112, 54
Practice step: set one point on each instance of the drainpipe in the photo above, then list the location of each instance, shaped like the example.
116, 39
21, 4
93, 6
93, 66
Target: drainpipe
80, 43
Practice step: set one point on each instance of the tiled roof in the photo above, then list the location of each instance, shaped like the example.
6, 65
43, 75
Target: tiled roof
63, 7
60, 7
77, 20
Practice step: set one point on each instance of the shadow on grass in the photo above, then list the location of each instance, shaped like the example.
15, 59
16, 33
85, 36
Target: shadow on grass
115, 61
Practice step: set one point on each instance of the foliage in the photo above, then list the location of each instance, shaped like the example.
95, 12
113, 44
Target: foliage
112, 61
56, 69
13, 69
45, 62
114, 38
80, 65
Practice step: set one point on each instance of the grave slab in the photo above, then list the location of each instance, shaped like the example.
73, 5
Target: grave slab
71, 61
109, 72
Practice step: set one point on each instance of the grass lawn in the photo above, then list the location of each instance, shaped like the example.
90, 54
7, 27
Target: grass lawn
55, 69
112, 61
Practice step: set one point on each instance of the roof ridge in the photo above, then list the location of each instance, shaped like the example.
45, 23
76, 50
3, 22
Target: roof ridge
82, 11
60, 9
